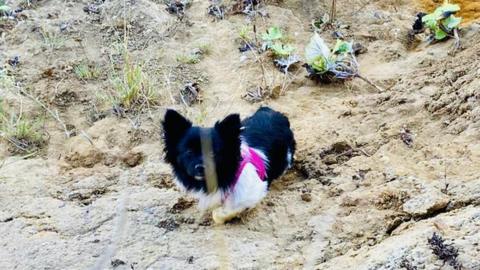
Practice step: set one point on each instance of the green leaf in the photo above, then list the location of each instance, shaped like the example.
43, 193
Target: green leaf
342, 47
447, 8
4, 8
273, 33
282, 50
430, 21
440, 34
433, 20
452, 22
320, 64
316, 48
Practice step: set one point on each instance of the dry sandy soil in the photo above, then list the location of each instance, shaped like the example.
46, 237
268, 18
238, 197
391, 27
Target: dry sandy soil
359, 197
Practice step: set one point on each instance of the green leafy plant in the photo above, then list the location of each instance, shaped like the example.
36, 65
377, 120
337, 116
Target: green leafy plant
22, 133
281, 50
273, 33
342, 47
52, 39
85, 72
243, 32
326, 65
339, 64
196, 55
4, 9
205, 49
6, 81
247, 42
442, 22
131, 88
272, 39
188, 59
320, 22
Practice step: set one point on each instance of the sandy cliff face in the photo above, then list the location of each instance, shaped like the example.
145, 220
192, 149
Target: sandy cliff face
359, 197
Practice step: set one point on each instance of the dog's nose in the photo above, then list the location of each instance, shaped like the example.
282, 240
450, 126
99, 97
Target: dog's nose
199, 170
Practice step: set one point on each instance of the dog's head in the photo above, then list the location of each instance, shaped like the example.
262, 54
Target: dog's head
183, 149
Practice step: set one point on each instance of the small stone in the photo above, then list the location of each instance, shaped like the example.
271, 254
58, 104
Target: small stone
406, 136
117, 262
168, 224
426, 203
133, 159
306, 197
348, 201
330, 160
341, 147
15, 61
359, 48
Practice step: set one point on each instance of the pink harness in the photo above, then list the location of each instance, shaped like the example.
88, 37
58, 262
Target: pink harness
251, 156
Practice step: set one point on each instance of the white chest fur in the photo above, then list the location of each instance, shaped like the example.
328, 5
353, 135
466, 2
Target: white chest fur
247, 192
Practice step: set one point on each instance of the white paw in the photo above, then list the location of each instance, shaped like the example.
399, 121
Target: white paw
220, 215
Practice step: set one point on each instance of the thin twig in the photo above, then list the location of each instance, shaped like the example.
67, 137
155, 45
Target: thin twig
264, 80
168, 82
4, 162
360, 8
289, 82
370, 83
259, 60
84, 134
457, 43
363, 152
13, 141
333, 12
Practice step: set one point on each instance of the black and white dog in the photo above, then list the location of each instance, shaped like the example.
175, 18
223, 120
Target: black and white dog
246, 156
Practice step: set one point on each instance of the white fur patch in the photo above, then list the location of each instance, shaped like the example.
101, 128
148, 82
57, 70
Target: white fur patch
248, 191
205, 201
289, 159
208, 201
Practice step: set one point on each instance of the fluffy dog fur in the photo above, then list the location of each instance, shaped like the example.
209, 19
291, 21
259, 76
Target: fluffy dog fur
267, 132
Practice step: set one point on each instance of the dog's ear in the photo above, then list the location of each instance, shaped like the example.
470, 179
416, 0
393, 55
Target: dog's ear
174, 127
175, 124
229, 128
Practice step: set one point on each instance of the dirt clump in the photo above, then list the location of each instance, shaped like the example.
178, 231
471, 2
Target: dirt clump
181, 205
133, 158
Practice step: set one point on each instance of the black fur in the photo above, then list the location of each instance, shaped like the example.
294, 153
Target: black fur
269, 131
266, 130
418, 24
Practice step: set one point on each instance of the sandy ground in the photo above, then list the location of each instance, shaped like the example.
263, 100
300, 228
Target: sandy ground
358, 198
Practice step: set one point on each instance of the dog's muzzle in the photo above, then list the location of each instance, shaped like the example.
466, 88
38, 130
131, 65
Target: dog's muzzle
199, 172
